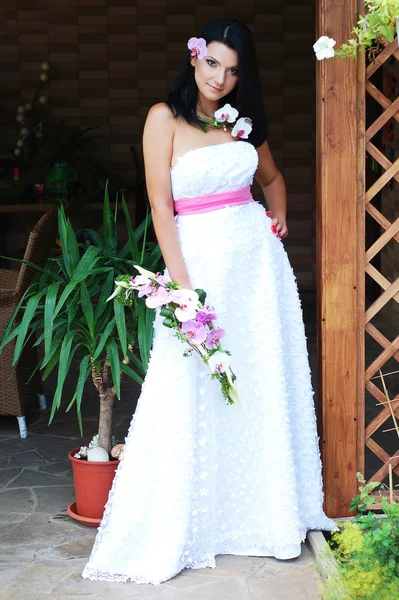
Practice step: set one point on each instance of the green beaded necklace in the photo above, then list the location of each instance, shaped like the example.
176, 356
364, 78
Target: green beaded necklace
209, 122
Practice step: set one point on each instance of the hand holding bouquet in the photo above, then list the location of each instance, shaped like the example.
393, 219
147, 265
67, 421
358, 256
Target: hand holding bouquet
185, 312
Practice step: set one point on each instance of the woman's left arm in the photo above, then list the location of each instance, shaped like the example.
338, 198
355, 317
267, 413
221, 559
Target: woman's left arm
274, 190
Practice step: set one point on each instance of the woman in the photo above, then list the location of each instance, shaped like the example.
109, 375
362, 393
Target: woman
197, 477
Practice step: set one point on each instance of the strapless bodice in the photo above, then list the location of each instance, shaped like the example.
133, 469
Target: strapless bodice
213, 169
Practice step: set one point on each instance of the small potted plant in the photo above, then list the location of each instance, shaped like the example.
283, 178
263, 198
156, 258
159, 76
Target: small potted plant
362, 559
66, 308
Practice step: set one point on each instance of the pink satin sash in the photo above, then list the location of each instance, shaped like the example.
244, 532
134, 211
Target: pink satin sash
201, 204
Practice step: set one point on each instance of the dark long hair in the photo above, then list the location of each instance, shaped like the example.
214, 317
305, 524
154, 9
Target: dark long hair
246, 96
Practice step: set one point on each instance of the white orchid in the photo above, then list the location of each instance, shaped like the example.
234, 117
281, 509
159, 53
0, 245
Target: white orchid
187, 300
219, 361
324, 47
242, 128
226, 113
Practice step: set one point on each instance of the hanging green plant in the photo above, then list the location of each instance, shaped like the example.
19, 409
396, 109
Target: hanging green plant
381, 22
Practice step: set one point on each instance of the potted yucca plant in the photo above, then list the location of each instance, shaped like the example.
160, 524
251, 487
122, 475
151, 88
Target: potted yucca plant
65, 307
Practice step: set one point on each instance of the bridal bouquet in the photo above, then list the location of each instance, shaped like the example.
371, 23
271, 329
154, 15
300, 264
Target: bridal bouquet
185, 312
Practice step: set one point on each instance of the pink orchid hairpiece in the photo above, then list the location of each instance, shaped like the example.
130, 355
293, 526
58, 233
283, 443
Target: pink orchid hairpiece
198, 47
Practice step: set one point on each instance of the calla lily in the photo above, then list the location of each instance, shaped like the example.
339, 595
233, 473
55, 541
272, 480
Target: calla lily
140, 280
219, 362
144, 272
116, 291
324, 47
242, 128
226, 113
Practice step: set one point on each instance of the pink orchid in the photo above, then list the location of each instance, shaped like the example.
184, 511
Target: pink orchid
198, 47
161, 279
159, 297
195, 332
147, 289
213, 338
205, 316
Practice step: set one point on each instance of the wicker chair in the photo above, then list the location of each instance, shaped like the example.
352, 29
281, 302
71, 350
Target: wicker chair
16, 392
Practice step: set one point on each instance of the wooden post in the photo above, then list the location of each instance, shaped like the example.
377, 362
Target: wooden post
337, 257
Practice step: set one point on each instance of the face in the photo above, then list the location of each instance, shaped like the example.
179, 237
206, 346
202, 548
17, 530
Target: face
217, 73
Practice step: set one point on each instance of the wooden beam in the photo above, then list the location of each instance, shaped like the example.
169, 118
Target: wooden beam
340, 250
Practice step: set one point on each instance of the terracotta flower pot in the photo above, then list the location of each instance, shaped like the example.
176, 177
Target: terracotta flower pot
92, 481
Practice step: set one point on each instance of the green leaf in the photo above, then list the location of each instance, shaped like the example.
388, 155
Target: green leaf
96, 238
5, 338
52, 360
137, 362
145, 331
104, 338
31, 264
130, 373
109, 225
119, 312
70, 250
49, 306
133, 247
87, 307
26, 320
87, 262
64, 363
113, 357
84, 372
83, 270
105, 293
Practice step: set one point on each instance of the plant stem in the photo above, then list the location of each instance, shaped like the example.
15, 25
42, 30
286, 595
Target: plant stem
104, 384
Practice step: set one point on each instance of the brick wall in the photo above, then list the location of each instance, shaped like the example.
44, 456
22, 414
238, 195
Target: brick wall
113, 59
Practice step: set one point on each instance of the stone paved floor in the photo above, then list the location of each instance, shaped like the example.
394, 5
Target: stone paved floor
43, 551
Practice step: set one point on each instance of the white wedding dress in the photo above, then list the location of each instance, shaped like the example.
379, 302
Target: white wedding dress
198, 477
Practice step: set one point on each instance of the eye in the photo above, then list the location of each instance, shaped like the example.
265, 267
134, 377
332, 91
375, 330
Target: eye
208, 60
234, 71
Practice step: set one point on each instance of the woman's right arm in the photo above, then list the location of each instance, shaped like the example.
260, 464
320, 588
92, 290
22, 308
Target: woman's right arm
157, 149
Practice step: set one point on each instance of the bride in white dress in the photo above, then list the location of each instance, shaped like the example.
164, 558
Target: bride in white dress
198, 477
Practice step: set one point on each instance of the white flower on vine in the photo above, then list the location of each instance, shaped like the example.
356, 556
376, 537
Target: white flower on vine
324, 47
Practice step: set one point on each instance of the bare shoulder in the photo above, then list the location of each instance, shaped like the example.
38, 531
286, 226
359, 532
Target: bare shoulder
160, 115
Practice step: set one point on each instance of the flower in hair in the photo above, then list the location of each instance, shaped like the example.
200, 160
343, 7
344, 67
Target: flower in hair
198, 47
242, 128
226, 113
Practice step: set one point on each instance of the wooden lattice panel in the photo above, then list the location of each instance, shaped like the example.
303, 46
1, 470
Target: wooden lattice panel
386, 419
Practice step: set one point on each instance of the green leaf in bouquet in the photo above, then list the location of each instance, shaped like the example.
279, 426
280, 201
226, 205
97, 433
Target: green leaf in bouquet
201, 295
